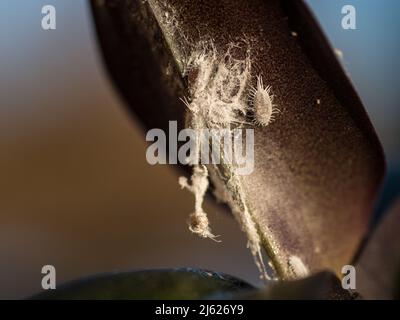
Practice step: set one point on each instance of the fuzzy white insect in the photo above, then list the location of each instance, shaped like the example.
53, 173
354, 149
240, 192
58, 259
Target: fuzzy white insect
263, 103
217, 90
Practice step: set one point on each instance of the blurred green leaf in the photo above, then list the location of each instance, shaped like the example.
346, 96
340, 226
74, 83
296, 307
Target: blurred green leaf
185, 283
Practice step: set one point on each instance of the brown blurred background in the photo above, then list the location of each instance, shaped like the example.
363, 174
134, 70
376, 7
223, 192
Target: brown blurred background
75, 188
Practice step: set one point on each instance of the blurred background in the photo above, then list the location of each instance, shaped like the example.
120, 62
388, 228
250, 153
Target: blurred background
76, 191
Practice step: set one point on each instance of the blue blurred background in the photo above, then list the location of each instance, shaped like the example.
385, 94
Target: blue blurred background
75, 188
371, 56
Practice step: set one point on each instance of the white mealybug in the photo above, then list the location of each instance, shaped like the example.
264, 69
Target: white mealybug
263, 104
